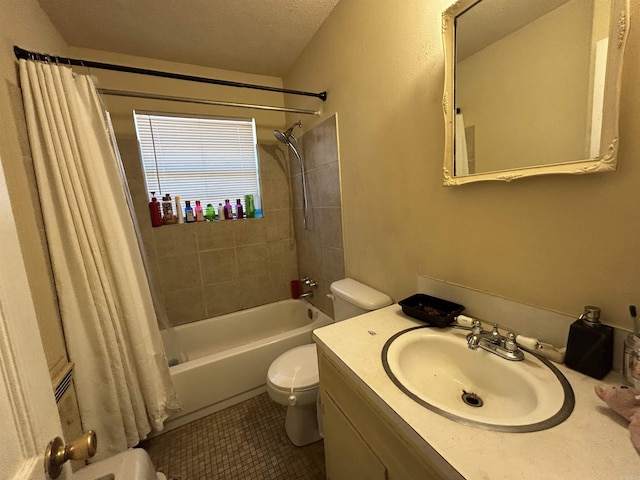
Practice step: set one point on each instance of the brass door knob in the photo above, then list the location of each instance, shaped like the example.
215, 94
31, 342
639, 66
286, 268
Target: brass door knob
57, 452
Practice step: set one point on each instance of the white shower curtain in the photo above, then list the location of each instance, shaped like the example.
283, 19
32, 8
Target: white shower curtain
121, 376
460, 148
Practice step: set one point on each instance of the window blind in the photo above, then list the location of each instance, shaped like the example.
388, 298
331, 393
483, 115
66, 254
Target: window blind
206, 159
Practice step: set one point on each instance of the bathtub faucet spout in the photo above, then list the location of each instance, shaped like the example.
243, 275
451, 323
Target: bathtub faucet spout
306, 294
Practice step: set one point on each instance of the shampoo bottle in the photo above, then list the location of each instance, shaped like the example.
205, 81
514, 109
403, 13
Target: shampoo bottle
228, 210
239, 210
154, 211
167, 211
210, 213
189, 217
199, 213
590, 345
179, 210
220, 212
249, 206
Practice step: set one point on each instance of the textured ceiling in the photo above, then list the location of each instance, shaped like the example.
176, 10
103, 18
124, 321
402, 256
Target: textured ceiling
254, 36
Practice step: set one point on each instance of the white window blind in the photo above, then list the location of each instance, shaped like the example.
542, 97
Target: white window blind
206, 159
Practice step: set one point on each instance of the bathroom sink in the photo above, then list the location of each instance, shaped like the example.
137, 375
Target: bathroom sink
475, 387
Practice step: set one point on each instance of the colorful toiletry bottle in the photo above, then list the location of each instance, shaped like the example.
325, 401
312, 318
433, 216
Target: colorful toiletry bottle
199, 213
210, 213
249, 206
239, 210
179, 210
167, 211
189, 216
154, 210
228, 210
590, 345
220, 212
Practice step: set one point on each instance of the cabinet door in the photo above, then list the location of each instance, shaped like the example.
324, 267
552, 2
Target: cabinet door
347, 455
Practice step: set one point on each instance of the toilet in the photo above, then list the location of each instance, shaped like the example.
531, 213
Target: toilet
132, 464
292, 379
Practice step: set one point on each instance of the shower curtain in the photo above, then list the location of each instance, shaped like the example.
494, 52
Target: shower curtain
461, 155
122, 381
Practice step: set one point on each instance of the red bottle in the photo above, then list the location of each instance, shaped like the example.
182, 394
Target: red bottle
154, 210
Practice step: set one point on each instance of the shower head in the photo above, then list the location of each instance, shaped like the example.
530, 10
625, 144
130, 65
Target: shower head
284, 137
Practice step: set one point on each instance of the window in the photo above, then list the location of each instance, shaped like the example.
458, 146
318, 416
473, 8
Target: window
199, 158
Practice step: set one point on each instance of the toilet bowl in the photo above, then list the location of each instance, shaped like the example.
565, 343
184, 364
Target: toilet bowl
132, 464
293, 379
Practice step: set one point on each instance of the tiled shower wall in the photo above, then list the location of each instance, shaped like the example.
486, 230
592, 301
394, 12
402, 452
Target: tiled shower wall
320, 247
206, 269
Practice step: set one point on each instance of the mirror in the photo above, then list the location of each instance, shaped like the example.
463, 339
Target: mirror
531, 87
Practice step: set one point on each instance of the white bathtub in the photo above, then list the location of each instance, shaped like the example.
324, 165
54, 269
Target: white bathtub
229, 355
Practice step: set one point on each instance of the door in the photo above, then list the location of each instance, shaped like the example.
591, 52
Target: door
28, 414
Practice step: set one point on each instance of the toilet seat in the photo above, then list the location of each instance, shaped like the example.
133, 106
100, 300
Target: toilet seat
296, 368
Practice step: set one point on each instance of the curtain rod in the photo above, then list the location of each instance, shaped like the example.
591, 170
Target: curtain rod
21, 53
122, 93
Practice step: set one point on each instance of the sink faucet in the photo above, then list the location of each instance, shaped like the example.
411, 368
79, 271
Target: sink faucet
493, 342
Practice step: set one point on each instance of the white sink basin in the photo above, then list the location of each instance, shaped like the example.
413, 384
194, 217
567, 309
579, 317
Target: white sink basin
437, 369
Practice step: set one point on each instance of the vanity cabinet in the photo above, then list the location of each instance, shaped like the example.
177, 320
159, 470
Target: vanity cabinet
361, 442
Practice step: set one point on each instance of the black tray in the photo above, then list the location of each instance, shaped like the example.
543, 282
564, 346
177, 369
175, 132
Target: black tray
435, 311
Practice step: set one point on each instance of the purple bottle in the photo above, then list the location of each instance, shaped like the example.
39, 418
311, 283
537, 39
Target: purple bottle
228, 210
239, 210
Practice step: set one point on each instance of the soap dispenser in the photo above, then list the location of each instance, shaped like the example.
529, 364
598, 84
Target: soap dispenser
590, 345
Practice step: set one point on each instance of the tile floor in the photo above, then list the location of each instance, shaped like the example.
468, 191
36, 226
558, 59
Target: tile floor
245, 441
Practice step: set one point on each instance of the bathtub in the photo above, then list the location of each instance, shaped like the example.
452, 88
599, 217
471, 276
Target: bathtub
229, 355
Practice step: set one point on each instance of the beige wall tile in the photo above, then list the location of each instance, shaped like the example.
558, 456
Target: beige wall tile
214, 235
326, 134
273, 161
218, 265
283, 258
276, 194
333, 264
253, 260
184, 305
176, 239
325, 191
179, 272
256, 290
222, 298
280, 225
331, 231
249, 231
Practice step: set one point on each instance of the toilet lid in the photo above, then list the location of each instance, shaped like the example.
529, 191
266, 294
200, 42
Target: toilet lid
301, 362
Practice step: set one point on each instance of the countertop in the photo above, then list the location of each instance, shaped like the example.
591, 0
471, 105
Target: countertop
593, 443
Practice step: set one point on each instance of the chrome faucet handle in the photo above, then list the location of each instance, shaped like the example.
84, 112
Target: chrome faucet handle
510, 344
476, 327
310, 283
495, 334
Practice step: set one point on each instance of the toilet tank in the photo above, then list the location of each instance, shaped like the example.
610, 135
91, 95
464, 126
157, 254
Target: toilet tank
352, 298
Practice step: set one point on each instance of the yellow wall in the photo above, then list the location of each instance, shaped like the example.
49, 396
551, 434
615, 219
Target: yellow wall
25, 24
559, 242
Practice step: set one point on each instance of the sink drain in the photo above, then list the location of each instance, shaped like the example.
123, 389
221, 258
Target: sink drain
472, 399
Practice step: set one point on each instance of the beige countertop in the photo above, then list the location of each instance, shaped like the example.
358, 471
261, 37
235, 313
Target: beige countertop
593, 443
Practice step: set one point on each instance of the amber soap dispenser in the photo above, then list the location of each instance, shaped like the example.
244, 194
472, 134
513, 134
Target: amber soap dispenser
590, 345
